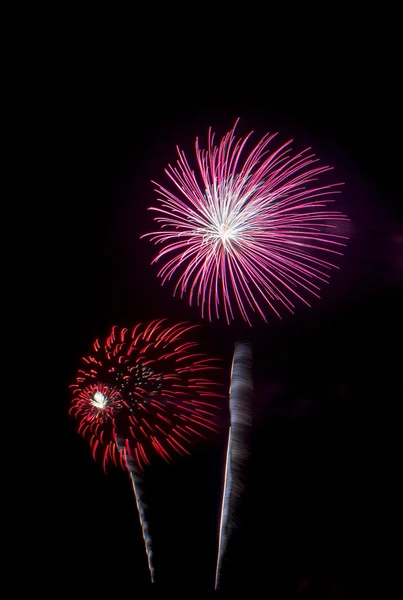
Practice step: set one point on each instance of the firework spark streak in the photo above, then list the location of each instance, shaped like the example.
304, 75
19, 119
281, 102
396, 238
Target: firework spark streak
247, 234
240, 399
141, 392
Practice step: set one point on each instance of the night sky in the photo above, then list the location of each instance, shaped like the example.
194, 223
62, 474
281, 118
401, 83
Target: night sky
327, 379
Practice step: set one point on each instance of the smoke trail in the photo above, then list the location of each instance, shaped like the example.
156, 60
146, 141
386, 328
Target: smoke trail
223, 536
137, 480
138, 494
240, 397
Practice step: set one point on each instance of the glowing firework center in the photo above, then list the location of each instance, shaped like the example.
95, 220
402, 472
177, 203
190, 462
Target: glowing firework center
99, 400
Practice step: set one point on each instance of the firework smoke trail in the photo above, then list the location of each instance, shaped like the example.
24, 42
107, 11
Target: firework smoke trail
223, 532
138, 494
137, 483
240, 402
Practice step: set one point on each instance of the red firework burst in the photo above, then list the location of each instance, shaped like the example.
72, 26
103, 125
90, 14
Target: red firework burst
144, 390
248, 233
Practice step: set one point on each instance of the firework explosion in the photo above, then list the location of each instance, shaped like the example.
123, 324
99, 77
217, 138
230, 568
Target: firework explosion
246, 233
143, 392
148, 387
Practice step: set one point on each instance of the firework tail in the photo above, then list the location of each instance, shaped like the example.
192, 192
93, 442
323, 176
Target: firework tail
240, 404
138, 494
223, 533
137, 483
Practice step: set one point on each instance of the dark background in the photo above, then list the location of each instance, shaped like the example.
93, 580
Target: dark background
327, 380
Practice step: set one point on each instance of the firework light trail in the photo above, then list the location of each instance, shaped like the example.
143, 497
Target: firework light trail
240, 401
245, 235
141, 392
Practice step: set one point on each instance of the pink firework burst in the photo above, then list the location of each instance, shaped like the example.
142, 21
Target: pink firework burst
247, 232
144, 391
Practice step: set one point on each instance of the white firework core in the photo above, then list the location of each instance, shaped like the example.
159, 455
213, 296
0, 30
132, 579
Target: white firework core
222, 224
99, 400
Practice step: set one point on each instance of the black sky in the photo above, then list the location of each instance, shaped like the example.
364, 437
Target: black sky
326, 379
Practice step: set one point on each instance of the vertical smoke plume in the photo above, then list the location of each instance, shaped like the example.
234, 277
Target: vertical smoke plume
137, 482
240, 401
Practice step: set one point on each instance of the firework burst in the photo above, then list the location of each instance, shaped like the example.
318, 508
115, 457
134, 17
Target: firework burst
144, 392
247, 233
149, 387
